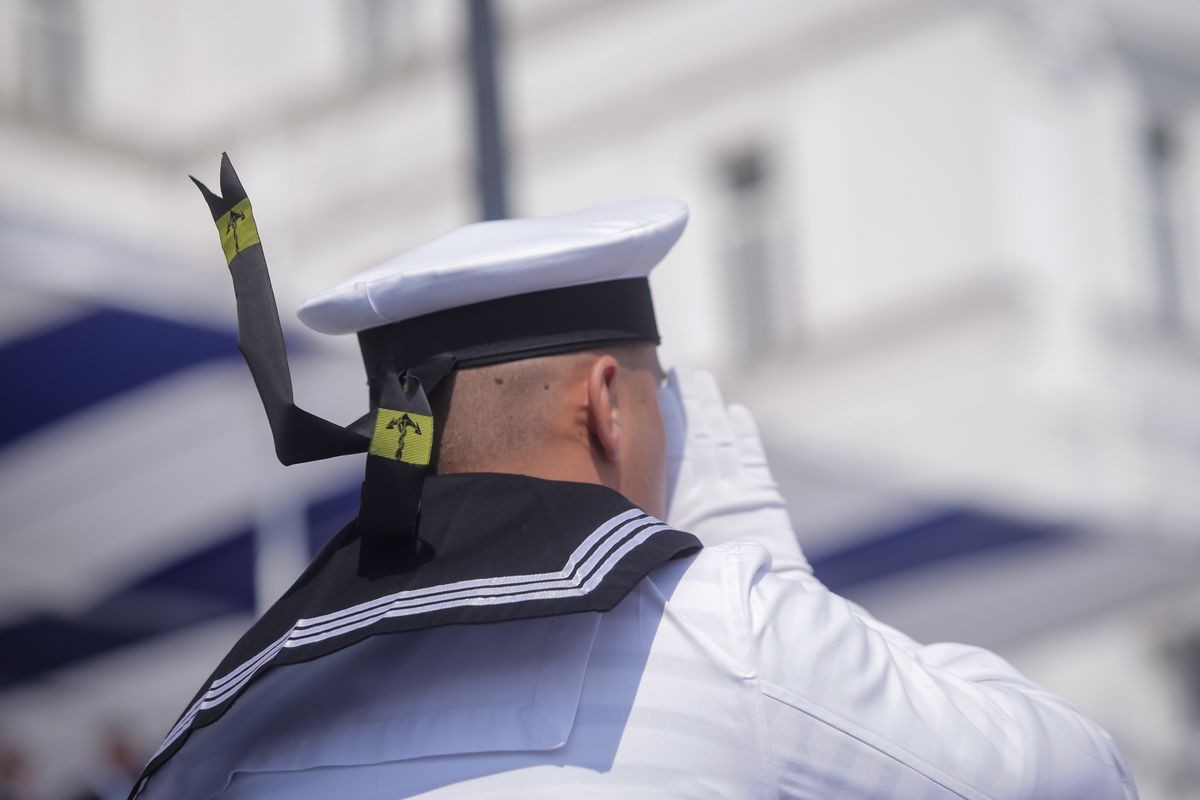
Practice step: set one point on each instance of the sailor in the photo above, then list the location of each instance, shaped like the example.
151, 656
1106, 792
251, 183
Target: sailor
507, 616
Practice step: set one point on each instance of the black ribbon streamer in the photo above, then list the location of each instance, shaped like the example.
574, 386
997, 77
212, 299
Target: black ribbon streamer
299, 435
391, 491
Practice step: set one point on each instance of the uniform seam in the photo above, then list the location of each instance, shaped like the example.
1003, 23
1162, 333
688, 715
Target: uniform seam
739, 610
832, 720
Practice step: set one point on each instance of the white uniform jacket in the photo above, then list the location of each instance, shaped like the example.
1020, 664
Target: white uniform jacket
713, 677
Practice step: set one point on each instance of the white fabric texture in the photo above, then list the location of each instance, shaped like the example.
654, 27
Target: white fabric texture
715, 677
490, 260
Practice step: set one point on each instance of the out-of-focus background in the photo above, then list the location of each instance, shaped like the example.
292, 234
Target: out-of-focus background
947, 250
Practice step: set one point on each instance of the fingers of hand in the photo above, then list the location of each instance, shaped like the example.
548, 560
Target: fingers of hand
702, 394
749, 443
710, 435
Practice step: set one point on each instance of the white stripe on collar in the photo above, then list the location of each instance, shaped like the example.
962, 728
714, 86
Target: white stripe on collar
611, 541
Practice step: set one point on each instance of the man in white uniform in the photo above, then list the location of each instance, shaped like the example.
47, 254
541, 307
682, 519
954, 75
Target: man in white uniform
539, 633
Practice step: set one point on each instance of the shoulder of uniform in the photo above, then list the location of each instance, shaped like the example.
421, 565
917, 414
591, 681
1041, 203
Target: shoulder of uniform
745, 555
733, 565
736, 551
709, 592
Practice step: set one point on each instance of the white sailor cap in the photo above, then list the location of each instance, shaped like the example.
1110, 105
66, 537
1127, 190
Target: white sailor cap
508, 289
493, 260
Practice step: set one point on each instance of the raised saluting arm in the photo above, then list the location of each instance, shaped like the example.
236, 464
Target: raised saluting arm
851, 705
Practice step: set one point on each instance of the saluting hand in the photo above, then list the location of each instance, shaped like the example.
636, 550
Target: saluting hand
718, 482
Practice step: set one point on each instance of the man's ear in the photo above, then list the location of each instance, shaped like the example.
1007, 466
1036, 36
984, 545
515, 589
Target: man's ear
603, 421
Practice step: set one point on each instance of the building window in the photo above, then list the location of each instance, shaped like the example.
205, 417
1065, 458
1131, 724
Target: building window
1175, 279
759, 278
382, 36
51, 61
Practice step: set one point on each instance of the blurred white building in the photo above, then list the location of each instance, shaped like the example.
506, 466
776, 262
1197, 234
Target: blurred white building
947, 250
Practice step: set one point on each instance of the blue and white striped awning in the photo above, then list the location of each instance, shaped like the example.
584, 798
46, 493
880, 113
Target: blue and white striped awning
134, 469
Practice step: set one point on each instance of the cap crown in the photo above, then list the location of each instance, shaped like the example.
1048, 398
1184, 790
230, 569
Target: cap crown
492, 260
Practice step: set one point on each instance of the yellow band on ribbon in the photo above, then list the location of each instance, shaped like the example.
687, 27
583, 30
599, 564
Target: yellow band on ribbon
402, 436
237, 228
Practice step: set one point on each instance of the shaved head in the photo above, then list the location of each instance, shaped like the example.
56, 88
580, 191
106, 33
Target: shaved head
589, 416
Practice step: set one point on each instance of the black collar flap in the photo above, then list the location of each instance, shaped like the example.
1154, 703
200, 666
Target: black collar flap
494, 547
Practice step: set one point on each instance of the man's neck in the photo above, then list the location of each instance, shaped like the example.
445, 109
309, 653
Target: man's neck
550, 466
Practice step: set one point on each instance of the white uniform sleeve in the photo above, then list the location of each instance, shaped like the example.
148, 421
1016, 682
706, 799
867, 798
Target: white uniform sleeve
856, 708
